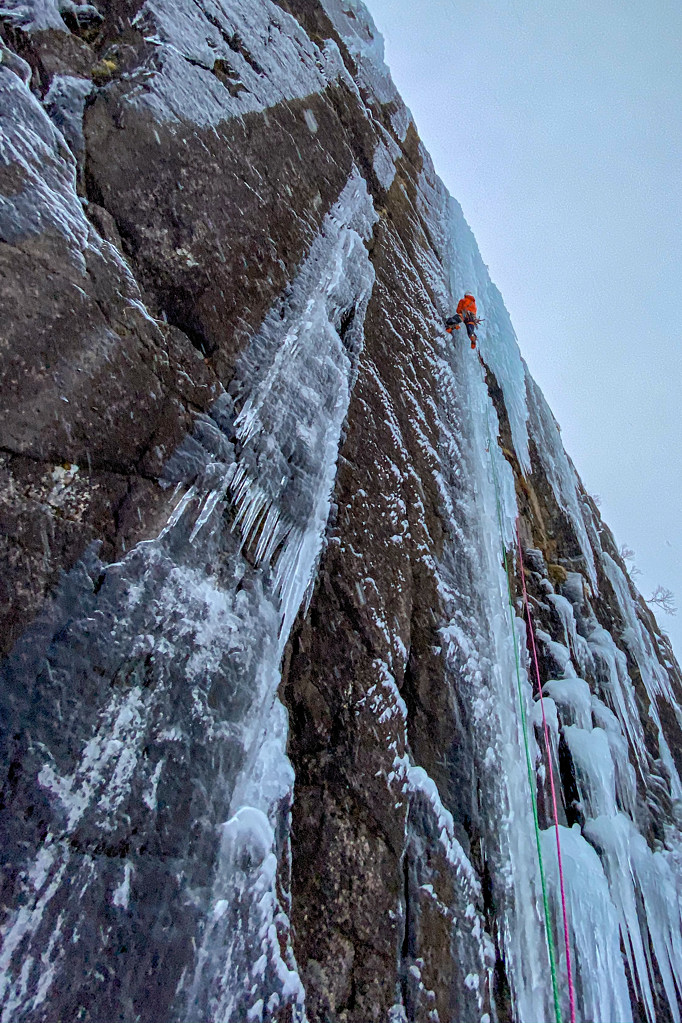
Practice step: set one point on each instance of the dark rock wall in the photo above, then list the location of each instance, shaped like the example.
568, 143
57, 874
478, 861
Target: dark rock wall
168, 195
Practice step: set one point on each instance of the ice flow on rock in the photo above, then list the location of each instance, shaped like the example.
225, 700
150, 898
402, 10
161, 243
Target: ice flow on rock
267, 662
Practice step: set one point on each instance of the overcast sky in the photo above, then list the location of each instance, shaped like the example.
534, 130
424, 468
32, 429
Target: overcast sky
557, 124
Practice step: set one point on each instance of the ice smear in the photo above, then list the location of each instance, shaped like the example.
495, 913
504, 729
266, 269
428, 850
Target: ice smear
355, 25
245, 949
458, 897
419, 781
296, 381
47, 204
497, 340
121, 895
479, 647
262, 49
65, 103
14, 988
458, 900
107, 763
385, 156
560, 471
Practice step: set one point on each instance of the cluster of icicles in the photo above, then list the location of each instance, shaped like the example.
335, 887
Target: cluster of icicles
631, 890
602, 878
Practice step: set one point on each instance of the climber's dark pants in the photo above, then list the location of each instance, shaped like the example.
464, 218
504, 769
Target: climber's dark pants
468, 321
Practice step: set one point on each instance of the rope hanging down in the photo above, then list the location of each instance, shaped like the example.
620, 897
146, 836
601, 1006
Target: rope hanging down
531, 630
524, 726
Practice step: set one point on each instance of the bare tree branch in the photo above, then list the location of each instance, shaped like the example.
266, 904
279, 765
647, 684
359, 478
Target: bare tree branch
665, 599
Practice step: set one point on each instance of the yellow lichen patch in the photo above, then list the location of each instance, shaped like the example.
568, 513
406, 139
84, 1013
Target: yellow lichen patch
557, 574
103, 71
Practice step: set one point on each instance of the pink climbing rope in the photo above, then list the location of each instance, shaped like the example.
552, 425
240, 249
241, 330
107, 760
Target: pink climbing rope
569, 972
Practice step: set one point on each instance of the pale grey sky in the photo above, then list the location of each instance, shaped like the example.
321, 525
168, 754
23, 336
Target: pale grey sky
557, 124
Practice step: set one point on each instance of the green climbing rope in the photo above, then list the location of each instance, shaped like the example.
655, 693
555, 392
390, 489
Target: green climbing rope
524, 723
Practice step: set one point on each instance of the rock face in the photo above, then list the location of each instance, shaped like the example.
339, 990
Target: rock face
269, 681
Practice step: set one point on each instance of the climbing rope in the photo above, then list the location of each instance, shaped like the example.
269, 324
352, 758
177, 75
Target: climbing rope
531, 630
524, 725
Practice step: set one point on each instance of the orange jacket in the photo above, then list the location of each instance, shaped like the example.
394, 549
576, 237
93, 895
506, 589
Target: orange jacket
467, 305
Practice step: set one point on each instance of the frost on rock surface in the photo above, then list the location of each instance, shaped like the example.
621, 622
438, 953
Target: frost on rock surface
355, 25
260, 50
65, 103
35, 15
47, 201
263, 749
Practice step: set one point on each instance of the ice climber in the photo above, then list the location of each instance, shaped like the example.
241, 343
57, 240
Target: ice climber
466, 314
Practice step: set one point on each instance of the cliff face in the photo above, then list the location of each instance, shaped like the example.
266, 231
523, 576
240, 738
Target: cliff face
267, 677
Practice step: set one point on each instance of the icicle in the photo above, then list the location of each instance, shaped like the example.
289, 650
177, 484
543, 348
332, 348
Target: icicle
626, 781
595, 772
179, 511
250, 509
617, 686
636, 638
643, 891
269, 534
211, 501
594, 931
